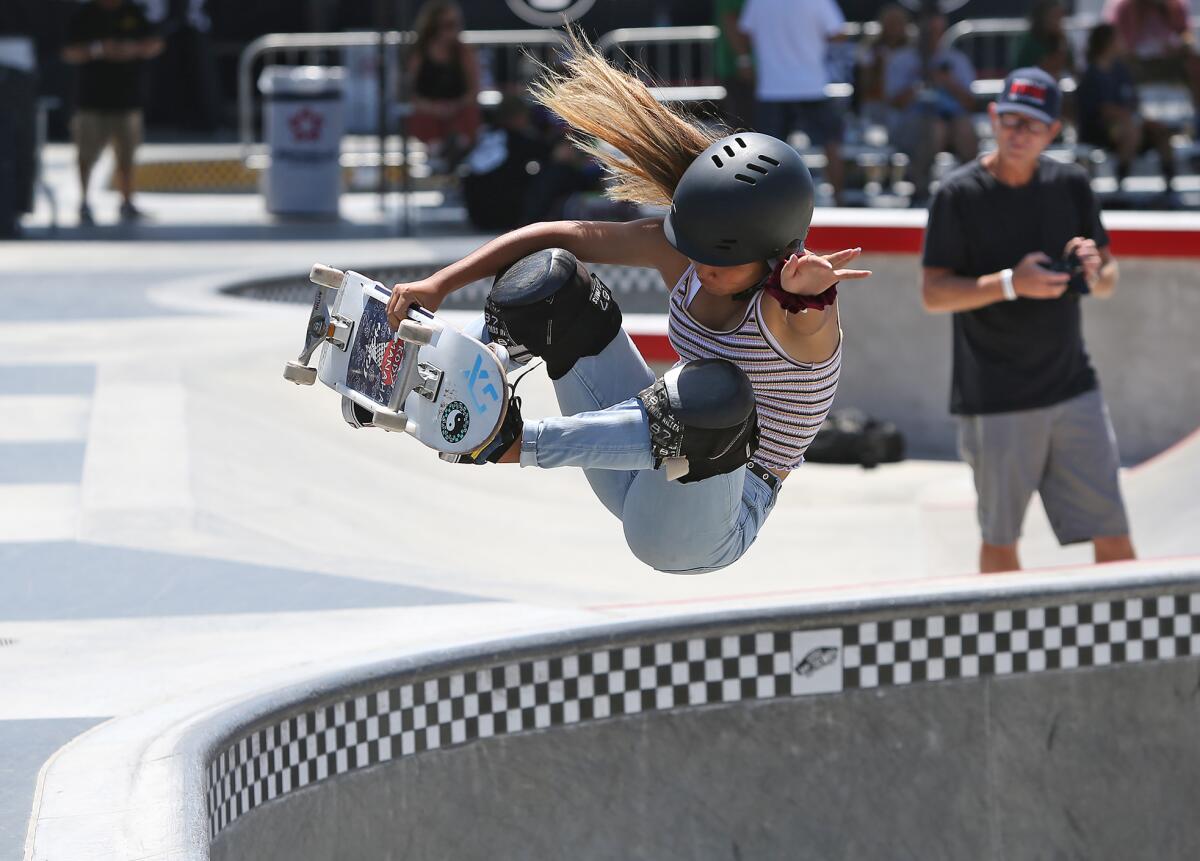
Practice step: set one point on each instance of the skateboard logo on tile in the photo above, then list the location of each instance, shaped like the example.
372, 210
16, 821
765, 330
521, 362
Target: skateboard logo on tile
455, 421
817, 659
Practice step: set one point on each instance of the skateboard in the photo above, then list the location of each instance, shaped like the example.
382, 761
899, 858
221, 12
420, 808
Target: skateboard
427, 378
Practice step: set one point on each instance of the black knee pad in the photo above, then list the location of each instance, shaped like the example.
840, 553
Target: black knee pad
703, 412
552, 306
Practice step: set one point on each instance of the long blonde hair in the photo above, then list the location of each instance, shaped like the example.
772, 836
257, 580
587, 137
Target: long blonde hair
655, 144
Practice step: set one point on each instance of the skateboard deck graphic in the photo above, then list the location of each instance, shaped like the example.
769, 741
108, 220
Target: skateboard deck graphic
376, 356
428, 379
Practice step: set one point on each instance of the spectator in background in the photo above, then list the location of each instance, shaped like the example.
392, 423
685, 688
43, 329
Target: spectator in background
1031, 416
789, 39
734, 65
1108, 108
873, 59
109, 40
501, 169
1158, 43
444, 83
929, 87
1045, 43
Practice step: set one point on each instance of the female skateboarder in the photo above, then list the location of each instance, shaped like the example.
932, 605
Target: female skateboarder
691, 463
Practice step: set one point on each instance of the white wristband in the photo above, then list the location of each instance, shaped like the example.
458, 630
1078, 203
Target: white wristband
1006, 285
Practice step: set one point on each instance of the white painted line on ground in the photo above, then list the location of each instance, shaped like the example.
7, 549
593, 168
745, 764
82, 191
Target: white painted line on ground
39, 512
137, 454
43, 418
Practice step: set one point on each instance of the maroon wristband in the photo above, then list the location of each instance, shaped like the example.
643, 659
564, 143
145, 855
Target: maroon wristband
794, 303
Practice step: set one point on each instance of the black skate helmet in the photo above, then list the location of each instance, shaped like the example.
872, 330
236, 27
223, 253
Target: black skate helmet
747, 197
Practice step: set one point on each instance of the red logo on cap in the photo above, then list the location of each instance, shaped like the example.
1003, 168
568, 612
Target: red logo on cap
1027, 89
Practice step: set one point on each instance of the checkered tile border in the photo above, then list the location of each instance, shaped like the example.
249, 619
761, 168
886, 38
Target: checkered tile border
611, 682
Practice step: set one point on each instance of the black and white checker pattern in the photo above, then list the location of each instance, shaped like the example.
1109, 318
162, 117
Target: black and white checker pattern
512, 698
1031, 640
605, 683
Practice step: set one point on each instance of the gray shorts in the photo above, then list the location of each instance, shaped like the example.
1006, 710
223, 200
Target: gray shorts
1067, 453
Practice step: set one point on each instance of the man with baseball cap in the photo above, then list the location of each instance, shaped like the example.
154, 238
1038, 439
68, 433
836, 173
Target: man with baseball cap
1013, 244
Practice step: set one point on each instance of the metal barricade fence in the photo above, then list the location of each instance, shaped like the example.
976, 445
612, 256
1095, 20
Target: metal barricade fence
506, 50
678, 63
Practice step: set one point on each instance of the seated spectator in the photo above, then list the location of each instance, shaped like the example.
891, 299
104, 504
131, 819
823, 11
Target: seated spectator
1045, 44
1108, 108
519, 173
1158, 43
929, 87
444, 83
502, 167
873, 58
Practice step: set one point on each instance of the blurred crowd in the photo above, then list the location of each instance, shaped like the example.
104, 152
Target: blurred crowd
911, 83
916, 92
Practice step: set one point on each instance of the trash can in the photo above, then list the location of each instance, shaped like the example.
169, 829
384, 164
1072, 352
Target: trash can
18, 125
303, 124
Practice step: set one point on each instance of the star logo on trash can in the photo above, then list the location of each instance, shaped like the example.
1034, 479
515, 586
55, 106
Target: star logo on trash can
306, 124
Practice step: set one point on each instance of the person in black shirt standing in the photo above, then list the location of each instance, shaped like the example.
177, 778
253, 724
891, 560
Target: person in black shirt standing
109, 40
1030, 410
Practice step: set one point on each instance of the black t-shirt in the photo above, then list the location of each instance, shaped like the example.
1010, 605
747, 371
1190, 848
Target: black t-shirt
1027, 353
106, 85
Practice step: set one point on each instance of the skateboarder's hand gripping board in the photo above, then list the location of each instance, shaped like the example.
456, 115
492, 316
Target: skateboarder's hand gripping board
424, 377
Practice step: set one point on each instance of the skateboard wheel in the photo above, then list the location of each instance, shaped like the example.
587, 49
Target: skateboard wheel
326, 276
394, 422
414, 332
301, 375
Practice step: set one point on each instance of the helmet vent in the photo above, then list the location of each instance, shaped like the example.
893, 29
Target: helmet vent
728, 150
717, 160
745, 178
756, 168
740, 142
726, 244
768, 160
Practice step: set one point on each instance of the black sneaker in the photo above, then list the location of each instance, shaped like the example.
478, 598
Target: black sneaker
130, 213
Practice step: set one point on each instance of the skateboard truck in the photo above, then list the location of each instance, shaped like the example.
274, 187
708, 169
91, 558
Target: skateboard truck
322, 326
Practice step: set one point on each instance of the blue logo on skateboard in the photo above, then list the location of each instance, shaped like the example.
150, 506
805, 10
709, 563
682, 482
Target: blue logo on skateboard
455, 421
476, 376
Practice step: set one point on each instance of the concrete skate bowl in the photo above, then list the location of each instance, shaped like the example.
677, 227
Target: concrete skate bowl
1057, 718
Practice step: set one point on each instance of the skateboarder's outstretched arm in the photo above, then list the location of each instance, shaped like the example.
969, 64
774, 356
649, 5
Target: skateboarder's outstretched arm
634, 243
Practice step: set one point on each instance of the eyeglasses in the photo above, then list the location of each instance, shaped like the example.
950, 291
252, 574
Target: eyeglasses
1014, 121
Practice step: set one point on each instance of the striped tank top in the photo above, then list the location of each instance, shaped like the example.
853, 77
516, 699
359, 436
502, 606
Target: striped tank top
793, 397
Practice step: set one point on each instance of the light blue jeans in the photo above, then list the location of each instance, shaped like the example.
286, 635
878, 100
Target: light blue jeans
678, 528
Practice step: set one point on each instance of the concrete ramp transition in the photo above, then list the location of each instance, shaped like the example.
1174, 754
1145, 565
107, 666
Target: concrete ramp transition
1052, 718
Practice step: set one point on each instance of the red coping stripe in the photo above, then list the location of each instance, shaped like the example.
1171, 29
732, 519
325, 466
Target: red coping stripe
881, 239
